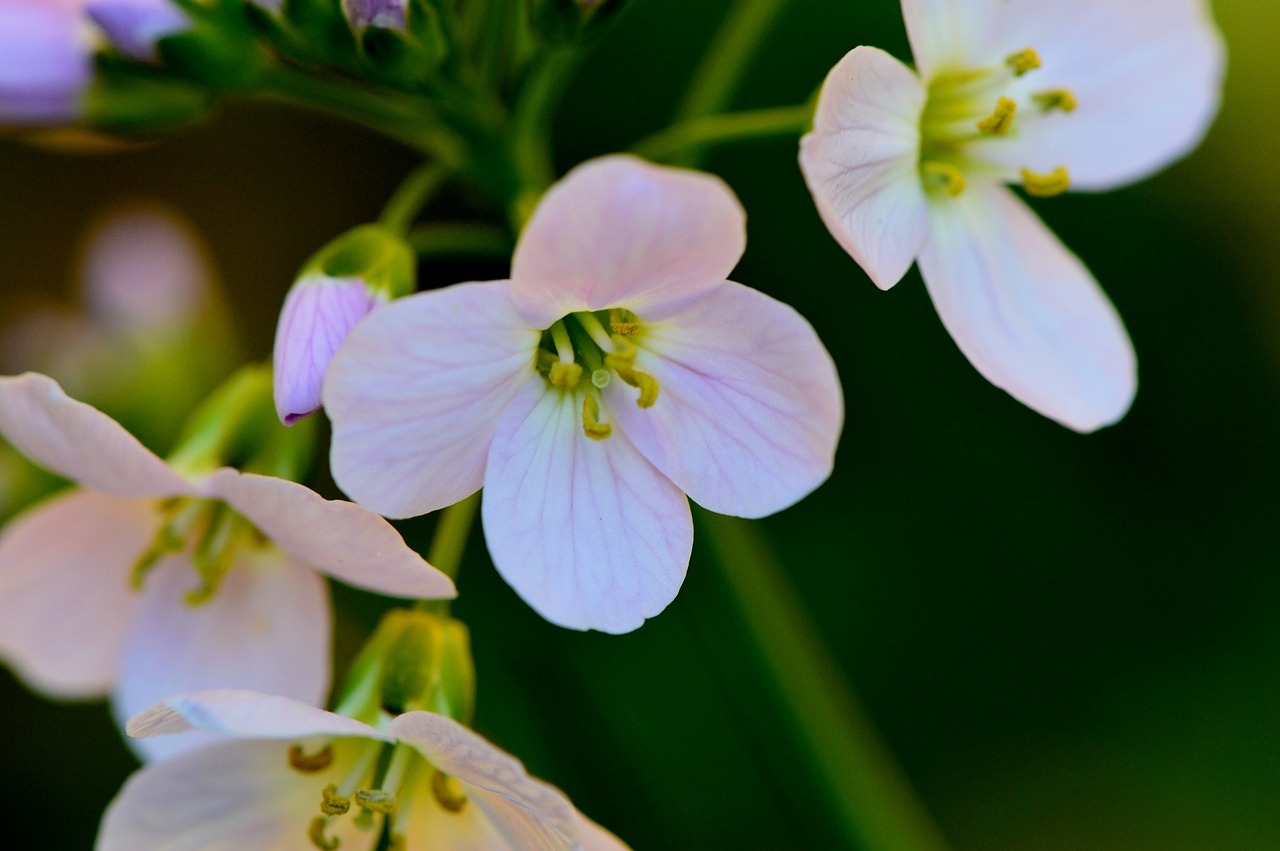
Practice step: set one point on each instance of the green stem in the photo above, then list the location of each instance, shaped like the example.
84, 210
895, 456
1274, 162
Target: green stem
531, 143
452, 530
876, 807
412, 195
683, 142
456, 239
732, 48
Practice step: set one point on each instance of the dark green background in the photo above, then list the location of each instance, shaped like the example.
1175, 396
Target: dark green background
1068, 642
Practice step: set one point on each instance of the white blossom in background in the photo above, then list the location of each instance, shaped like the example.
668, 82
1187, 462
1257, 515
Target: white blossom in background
617, 371
911, 166
144, 582
289, 776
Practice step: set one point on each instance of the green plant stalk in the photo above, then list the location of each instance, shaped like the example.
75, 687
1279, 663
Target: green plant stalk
682, 142
531, 144
453, 527
875, 806
414, 193
457, 239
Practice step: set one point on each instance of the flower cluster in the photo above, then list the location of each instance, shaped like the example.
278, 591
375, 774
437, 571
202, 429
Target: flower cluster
614, 376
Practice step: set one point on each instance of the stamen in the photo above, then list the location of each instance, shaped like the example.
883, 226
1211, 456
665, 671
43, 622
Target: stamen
213, 555
591, 425
317, 837
566, 375
170, 538
623, 322
647, 383
333, 804
1023, 61
448, 792
595, 330
564, 346
377, 800
943, 176
623, 355
1051, 99
310, 763
999, 121
1046, 185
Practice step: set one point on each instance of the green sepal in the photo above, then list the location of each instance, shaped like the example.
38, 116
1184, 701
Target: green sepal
376, 255
557, 22
127, 99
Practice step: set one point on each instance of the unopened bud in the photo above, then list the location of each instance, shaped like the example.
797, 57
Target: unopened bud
387, 14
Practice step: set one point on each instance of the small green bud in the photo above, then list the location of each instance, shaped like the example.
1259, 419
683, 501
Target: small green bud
374, 254
425, 664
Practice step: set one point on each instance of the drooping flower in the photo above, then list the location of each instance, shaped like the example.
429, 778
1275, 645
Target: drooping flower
910, 166
147, 580
615, 372
46, 62
295, 776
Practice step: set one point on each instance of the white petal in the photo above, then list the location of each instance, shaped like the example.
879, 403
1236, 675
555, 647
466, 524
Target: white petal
586, 531
529, 814
232, 796
618, 231
431, 826
66, 604
252, 714
593, 837
948, 35
862, 162
416, 392
750, 407
337, 538
1026, 311
1147, 79
80, 442
268, 628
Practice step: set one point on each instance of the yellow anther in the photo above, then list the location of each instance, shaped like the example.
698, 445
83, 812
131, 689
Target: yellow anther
942, 176
591, 425
377, 800
333, 804
647, 384
1051, 99
310, 763
999, 121
566, 375
1023, 61
1046, 185
317, 837
623, 322
623, 355
448, 792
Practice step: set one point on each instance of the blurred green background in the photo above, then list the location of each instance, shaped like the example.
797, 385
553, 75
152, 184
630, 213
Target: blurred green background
1068, 642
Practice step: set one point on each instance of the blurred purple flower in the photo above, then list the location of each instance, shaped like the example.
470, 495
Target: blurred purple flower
45, 62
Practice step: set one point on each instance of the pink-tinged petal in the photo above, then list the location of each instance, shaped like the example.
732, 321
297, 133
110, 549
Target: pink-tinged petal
416, 393
947, 35
430, 825
268, 628
529, 814
251, 714
861, 162
750, 407
1147, 83
135, 26
618, 231
317, 316
46, 63
79, 442
1025, 310
232, 796
339, 539
66, 605
588, 532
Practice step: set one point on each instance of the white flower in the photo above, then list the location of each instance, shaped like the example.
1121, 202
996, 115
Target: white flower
615, 372
297, 777
907, 166
144, 582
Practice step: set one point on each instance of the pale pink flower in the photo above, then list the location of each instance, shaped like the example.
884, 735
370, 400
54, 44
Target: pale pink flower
74, 624
46, 61
910, 166
445, 788
586, 438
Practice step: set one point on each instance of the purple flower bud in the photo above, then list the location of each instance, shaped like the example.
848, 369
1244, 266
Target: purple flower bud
134, 26
388, 14
45, 63
318, 314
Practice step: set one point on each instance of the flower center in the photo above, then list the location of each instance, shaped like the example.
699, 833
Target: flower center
372, 789
985, 104
212, 532
580, 346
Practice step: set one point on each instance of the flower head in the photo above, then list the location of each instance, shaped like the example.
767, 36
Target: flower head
45, 62
615, 372
149, 579
295, 776
910, 166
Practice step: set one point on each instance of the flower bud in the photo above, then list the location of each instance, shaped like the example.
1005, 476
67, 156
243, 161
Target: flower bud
387, 14
342, 284
46, 63
134, 26
568, 20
